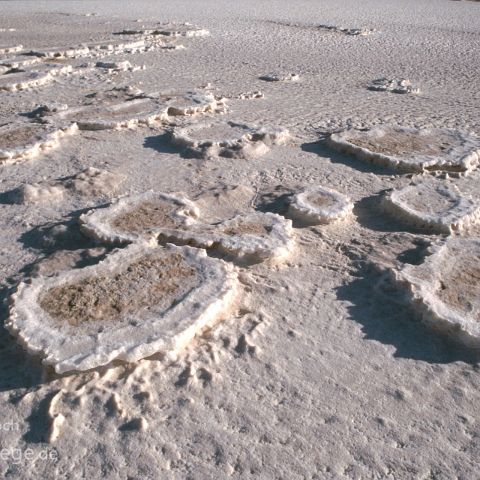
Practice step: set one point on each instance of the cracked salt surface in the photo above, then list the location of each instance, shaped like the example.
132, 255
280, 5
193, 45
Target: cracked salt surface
139, 301
411, 149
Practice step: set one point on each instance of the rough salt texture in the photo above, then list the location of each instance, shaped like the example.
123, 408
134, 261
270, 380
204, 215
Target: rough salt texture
193, 103
228, 139
411, 149
320, 205
20, 141
253, 237
90, 182
137, 302
168, 30
19, 62
114, 116
124, 66
444, 289
280, 77
393, 85
6, 49
138, 216
433, 204
33, 76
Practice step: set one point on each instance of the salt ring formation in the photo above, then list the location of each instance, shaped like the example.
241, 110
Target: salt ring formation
234, 230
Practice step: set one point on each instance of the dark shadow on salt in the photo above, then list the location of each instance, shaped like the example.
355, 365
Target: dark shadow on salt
387, 321
39, 421
161, 144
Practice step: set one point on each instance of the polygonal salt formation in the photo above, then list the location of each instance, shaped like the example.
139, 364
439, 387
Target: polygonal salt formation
252, 237
193, 103
114, 116
5, 49
227, 139
411, 149
117, 46
135, 217
432, 204
445, 288
280, 77
90, 182
33, 76
320, 205
137, 302
393, 85
24, 140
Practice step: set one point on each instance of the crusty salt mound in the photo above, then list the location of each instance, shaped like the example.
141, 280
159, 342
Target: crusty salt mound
61, 52
227, 139
114, 116
90, 182
144, 215
249, 95
252, 237
137, 302
193, 103
393, 85
280, 77
32, 76
320, 205
411, 149
19, 141
6, 49
443, 208
116, 46
445, 288
124, 66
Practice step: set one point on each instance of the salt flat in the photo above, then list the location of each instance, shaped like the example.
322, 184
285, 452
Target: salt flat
320, 365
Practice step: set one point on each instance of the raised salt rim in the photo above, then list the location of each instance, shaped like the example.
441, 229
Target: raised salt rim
19, 62
252, 237
393, 85
228, 139
113, 116
445, 288
194, 103
25, 140
33, 76
61, 52
411, 149
433, 204
135, 217
139, 301
317, 205
280, 77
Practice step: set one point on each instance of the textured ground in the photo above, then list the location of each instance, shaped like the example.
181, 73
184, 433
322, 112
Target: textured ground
320, 373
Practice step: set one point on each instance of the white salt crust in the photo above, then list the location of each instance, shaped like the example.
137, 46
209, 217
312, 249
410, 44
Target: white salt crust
229, 139
128, 114
280, 77
275, 243
193, 103
6, 49
33, 76
49, 137
445, 290
320, 205
99, 223
90, 182
19, 61
186, 30
460, 154
141, 334
443, 208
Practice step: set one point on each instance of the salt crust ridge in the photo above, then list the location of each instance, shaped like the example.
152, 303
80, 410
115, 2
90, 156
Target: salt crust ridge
462, 156
333, 206
244, 141
89, 182
49, 138
152, 332
97, 223
458, 216
452, 269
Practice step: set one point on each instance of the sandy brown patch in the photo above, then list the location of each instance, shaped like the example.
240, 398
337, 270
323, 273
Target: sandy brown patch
19, 136
460, 289
405, 143
151, 282
146, 216
319, 200
432, 202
